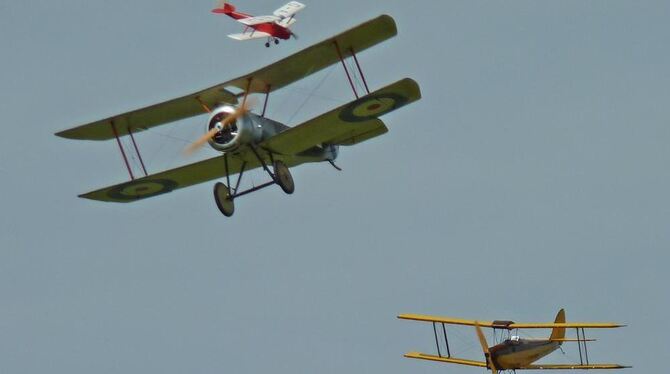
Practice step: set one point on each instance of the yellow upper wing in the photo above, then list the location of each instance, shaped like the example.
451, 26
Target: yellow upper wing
269, 78
447, 320
507, 324
550, 325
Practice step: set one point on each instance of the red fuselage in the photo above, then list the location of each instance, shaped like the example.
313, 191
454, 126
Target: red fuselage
271, 28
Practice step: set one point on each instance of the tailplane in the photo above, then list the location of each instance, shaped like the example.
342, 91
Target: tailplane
558, 333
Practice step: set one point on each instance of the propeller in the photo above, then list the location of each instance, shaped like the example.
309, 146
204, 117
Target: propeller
231, 118
294, 35
485, 348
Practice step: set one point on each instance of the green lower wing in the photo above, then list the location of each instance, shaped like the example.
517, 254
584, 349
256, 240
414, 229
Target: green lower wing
349, 124
173, 179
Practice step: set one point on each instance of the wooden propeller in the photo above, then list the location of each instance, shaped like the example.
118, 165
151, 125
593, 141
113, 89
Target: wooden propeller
485, 348
231, 118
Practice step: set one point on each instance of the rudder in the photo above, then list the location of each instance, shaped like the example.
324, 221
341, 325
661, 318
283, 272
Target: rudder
224, 8
558, 333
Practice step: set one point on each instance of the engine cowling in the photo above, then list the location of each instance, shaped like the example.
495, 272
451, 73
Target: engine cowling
236, 133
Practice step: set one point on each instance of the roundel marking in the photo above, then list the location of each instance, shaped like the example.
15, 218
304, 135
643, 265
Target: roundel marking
142, 189
372, 107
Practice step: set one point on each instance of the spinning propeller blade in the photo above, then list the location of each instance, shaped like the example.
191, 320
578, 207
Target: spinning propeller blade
485, 348
239, 112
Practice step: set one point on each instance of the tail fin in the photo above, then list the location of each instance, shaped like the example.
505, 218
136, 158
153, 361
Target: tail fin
558, 332
224, 8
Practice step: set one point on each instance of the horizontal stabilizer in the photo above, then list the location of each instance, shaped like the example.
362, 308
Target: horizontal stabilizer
572, 340
450, 360
251, 21
249, 35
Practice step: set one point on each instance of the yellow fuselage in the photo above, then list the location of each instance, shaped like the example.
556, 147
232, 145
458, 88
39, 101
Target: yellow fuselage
516, 354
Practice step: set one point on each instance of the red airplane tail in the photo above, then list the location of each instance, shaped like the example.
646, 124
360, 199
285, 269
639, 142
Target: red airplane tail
225, 8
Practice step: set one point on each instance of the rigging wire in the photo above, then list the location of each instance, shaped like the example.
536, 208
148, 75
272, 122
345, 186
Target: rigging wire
357, 78
323, 79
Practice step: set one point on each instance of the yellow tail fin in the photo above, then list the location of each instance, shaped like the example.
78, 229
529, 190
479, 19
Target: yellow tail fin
558, 332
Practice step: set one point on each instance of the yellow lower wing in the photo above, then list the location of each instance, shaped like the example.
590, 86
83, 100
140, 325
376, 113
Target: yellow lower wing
574, 367
450, 360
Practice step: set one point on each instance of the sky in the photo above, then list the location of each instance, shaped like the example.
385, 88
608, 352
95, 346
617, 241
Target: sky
532, 176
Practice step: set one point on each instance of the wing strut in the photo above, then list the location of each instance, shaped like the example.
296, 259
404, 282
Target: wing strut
346, 70
437, 340
265, 103
365, 83
579, 344
137, 150
339, 53
444, 330
123, 153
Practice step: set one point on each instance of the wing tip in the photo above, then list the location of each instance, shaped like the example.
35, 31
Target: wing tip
66, 134
388, 19
98, 196
88, 196
413, 87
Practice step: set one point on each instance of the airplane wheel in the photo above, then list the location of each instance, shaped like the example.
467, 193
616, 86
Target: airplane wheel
223, 199
283, 177
267, 45
276, 41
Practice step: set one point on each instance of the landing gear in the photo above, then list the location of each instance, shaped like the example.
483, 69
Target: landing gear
223, 199
283, 177
224, 195
275, 40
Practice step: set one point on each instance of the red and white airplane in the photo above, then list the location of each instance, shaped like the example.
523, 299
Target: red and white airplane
272, 27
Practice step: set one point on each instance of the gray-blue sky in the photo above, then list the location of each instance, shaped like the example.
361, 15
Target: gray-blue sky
532, 176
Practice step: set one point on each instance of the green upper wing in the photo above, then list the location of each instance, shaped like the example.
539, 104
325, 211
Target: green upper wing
269, 78
154, 115
318, 57
349, 124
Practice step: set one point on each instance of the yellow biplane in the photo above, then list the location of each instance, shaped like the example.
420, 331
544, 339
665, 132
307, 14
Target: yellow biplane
248, 140
515, 353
